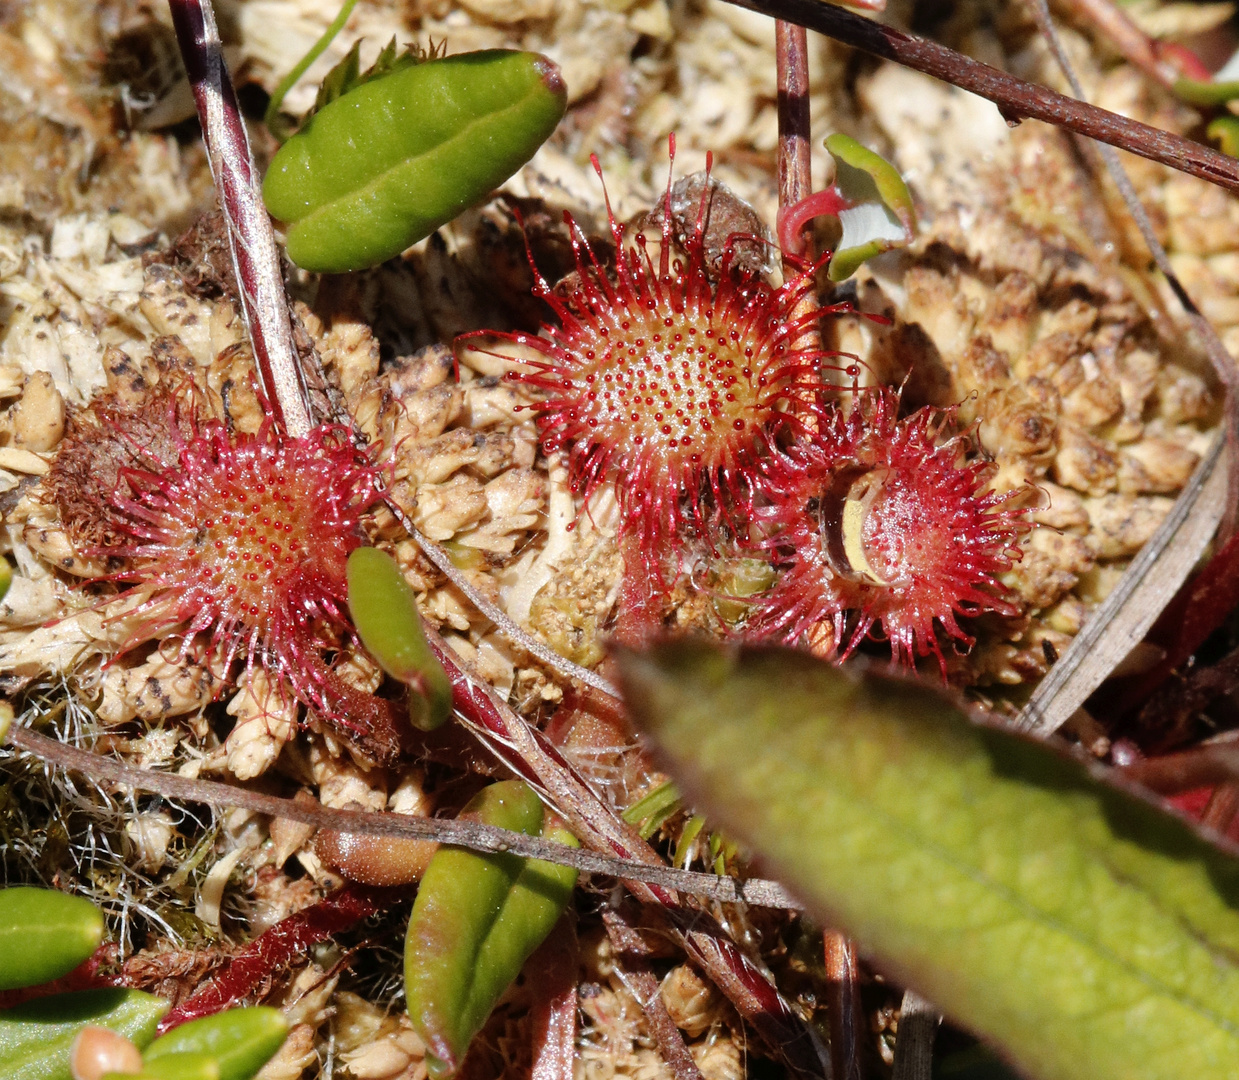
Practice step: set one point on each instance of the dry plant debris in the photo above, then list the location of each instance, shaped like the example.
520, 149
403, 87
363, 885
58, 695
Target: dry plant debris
1026, 302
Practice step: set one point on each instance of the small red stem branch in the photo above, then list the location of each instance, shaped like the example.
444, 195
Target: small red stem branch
276, 948
552, 972
255, 258
1015, 98
843, 1011
530, 755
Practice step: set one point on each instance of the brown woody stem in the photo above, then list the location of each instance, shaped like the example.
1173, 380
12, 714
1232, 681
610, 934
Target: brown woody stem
255, 258
1016, 99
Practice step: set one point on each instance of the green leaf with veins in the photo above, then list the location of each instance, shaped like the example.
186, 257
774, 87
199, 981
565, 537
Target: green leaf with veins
1084, 931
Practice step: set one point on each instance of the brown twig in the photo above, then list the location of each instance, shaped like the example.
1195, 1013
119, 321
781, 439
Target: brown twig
637, 974
791, 49
1015, 98
462, 833
255, 258
843, 1011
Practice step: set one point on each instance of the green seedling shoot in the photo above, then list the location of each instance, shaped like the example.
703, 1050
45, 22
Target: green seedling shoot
384, 611
44, 934
1079, 928
476, 920
401, 153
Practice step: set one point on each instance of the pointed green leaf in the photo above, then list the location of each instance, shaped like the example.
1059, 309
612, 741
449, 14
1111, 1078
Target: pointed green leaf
240, 1041
1084, 931
476, 920
36, 1037
385, 613
880, 215
44, 934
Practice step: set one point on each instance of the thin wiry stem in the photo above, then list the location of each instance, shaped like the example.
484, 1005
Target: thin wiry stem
462, 833
255, 258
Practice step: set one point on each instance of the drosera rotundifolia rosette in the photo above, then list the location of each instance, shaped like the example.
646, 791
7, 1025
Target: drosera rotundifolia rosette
719, 423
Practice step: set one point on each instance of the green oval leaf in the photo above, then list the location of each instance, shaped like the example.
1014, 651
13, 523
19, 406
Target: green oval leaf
1084, 931
36, 1037
390, 161
44, 934
240, 1041
476, 920
384, 611
1224, 130
1197, 92
184, 1065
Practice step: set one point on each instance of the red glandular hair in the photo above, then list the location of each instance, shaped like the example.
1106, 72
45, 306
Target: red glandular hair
237, 542
666, 384
878, 522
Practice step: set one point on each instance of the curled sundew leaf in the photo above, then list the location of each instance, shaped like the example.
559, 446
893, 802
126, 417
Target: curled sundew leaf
239, 1041
36, 1037
1082, 930
391, 160
44, 934
385, 614
476, 920
880, 215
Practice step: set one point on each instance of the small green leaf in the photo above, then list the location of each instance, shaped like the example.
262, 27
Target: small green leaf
1081, 929
393, 159
476, 920
240, 1041
1224, 130
880, 214
37, 1036
44, 934
1196, 92
184, 1065
6, 576
384, 611
653, 808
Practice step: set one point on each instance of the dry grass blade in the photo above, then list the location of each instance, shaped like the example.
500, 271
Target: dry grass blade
914, 1046
1145, 588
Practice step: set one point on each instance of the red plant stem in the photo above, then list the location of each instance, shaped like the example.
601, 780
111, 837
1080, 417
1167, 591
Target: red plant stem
1015, 98
276, 948
791, 48
530, 755
552, 974
255, 258
843, 1012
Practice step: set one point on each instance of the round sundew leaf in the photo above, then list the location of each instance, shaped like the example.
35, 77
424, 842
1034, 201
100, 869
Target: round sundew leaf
36, 1037
240, 1041
390, 161
1081, 929
44, 934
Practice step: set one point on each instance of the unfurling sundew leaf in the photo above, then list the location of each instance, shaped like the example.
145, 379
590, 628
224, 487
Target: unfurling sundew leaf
36, 1038
1086, 933
44, 934
476, 920
388, 162
385, 614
